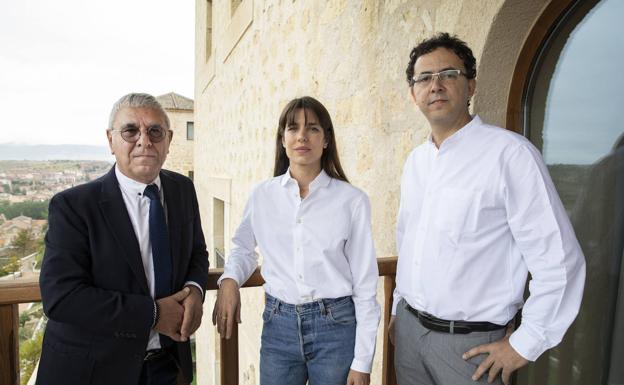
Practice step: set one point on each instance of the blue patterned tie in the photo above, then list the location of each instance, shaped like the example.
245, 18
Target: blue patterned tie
159, 238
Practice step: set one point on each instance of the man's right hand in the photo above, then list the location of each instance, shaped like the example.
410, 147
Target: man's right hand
391, 329
170, 314
227, 308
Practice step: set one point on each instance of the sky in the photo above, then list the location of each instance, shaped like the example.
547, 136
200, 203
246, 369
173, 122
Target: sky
64, 63
583, 109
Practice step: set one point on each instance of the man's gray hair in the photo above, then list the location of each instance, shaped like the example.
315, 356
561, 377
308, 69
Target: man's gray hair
136, 100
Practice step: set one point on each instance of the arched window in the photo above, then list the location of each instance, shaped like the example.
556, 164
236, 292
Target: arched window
572, 109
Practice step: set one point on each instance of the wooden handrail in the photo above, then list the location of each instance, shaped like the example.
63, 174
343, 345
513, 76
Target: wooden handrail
20, 290
14, 292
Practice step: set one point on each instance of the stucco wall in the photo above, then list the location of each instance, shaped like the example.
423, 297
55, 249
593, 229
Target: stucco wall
351, 55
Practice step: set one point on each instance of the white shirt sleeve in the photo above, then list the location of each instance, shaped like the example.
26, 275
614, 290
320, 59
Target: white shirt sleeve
360, 251
545, 237
243, 258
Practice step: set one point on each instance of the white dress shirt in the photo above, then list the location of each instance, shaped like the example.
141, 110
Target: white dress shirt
476, 216
317, 247
138, 209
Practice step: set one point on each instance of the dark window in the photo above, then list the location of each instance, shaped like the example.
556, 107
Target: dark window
218, 223
190, 130
208, 29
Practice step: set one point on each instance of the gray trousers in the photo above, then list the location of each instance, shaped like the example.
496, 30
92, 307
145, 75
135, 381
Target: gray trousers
425, 357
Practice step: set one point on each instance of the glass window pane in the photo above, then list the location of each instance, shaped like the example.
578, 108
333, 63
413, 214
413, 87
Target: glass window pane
190, 128
574, 109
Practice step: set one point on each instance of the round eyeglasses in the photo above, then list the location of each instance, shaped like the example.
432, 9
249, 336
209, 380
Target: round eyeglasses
132, 134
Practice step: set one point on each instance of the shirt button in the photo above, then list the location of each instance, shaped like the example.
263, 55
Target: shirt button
300, 276
299, 221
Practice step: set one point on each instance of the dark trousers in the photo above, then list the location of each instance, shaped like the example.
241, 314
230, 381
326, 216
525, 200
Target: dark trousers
159, 371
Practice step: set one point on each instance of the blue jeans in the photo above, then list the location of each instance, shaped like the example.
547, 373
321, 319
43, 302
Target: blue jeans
313, 341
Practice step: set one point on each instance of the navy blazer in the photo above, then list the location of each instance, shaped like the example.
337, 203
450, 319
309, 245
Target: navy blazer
93, 285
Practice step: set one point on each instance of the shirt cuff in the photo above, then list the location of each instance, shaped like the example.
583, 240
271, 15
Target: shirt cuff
360, 365
187, 283
525, 343
226, 276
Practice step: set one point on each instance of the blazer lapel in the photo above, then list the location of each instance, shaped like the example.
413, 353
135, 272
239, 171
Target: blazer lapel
115, 213
175, 210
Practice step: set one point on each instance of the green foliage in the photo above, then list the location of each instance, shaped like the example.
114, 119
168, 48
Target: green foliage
24, 243
40, 247
33, 209
39, 256
23, 318
10, 267
30, 351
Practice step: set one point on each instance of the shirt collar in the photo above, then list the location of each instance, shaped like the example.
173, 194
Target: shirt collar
475, 121
131, 186
321, 180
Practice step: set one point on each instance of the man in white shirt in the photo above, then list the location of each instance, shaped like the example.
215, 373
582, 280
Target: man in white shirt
125, 264
478, 213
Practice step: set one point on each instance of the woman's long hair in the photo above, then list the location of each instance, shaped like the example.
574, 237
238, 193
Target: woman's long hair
329, 160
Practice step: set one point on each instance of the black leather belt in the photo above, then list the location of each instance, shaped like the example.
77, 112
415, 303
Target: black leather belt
155, 354
452, 327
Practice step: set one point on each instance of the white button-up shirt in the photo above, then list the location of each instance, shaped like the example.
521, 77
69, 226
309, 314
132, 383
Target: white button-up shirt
317, 247
138, 210
476, 216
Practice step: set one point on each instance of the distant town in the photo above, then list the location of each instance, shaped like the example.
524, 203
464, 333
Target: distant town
22, 181
25, 190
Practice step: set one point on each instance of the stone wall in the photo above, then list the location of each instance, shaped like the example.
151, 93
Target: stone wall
351, 55
180, 157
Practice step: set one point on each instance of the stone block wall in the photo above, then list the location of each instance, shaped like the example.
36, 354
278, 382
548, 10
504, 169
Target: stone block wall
180, 157
352, 56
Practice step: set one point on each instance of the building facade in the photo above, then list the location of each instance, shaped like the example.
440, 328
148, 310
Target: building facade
180, 112
254, 56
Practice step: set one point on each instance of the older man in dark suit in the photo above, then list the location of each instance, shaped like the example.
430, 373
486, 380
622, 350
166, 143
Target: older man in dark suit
125, 266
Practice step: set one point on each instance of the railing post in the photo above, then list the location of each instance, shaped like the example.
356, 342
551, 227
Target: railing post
388, 373
229, 358
9, 345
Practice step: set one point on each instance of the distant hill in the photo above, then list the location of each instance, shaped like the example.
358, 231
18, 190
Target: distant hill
10, 151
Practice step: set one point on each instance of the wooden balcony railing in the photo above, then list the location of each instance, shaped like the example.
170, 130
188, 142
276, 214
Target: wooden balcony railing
12, 293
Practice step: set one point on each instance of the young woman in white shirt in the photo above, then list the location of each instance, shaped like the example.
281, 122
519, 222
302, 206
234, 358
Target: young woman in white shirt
313, 230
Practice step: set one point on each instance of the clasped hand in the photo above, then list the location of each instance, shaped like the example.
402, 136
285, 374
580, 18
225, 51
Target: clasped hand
180, 314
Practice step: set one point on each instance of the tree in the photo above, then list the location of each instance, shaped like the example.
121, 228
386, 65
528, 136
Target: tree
11, 267
40, 247
32, 209
30, 351
24, 243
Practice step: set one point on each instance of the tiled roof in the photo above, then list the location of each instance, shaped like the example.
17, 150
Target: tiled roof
173, 101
